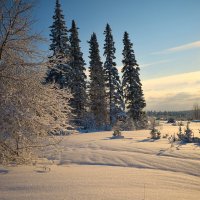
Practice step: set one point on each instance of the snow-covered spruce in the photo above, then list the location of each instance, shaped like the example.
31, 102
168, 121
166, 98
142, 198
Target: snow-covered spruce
59, 68
78, 86
132, 87
113, 85
97, 95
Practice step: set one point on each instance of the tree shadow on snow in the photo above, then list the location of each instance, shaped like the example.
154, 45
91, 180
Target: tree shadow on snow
43, 169
3, 171
161, 152
147, 140
197, 144
116, 138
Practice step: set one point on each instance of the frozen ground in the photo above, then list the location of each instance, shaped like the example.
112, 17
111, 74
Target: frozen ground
93, 166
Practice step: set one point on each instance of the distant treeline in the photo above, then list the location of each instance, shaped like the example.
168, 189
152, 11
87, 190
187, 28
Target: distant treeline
165, 115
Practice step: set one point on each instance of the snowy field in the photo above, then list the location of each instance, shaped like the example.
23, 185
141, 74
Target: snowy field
94, 166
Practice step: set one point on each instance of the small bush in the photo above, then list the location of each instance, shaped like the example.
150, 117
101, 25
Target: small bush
187, 135
117, 133
171, 120
155, 134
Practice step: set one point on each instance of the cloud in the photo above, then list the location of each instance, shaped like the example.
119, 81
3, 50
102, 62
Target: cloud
87, 73
147, 64
177, 92
119, 68
192, 45
155, 63
173, 102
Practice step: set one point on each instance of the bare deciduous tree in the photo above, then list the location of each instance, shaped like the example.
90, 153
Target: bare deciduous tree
29, 110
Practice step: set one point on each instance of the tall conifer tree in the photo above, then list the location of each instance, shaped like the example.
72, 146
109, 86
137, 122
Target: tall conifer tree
113, 84
131, 83
59, 71
78, 86
97, 84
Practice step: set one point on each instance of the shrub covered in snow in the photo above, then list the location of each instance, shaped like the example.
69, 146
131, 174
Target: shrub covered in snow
187, 135
29, 110
117, 133
155, 133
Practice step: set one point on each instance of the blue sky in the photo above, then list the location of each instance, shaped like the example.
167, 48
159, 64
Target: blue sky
165, 34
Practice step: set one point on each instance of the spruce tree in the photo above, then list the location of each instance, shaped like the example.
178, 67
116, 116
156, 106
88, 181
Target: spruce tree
59, 69
132, 87
97, 93
78, 86
113, 84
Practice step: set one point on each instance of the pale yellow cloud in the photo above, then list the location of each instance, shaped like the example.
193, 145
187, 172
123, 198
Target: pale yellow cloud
119, 68
87, 73
154, 63
177, 92
184, 47
144, 65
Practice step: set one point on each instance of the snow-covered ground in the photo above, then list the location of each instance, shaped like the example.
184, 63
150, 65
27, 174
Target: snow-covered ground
94, 166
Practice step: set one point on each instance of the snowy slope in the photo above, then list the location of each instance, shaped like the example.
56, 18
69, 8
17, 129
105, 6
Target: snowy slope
94, 166
97, 183
136, 150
